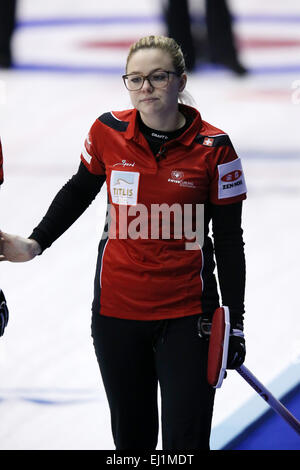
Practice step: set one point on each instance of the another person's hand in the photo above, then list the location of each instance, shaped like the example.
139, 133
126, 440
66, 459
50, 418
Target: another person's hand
17, 249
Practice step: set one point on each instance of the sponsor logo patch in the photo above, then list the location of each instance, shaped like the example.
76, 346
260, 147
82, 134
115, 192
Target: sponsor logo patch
124, 186
231, 179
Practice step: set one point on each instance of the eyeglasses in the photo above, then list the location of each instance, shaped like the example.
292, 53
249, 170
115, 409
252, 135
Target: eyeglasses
158, 79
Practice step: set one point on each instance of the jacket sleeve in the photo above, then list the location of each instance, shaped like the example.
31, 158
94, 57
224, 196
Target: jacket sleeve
230, 257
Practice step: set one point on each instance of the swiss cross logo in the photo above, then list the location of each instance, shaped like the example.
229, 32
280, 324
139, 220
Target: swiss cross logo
208, 141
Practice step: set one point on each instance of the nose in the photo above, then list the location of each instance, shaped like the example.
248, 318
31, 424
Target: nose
147, 85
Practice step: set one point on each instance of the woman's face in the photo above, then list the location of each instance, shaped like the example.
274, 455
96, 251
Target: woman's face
149, 100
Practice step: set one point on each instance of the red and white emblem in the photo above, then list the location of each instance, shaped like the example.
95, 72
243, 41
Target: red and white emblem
177, 175
208, 141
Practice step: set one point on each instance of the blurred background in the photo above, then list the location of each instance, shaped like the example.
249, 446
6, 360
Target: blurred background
60, 68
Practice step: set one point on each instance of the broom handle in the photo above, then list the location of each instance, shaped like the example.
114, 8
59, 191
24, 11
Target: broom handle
269, 398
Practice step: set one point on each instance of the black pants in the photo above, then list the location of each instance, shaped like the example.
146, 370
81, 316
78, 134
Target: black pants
220, 41
134, 356
7, 25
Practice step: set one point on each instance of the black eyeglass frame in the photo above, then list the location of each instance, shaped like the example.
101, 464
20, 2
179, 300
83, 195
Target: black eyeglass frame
147, 77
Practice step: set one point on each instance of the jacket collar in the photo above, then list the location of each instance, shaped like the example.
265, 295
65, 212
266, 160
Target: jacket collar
133, 132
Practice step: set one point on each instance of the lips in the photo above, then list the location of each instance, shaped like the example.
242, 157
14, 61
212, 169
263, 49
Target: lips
148, 100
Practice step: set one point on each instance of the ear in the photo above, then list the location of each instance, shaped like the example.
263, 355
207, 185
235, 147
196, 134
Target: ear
182, 82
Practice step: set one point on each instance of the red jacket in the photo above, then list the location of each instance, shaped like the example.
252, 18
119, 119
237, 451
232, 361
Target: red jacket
142, 273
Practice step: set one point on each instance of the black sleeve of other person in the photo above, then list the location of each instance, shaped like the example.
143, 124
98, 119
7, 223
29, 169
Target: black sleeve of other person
67, 206
230, 257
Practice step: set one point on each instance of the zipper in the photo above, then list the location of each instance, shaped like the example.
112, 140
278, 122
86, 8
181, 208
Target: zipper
162, 153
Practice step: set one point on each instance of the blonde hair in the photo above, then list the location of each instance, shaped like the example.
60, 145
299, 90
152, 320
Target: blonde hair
170, 46
165, 44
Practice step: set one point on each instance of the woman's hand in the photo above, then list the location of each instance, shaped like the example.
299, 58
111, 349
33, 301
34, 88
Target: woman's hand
17, 249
